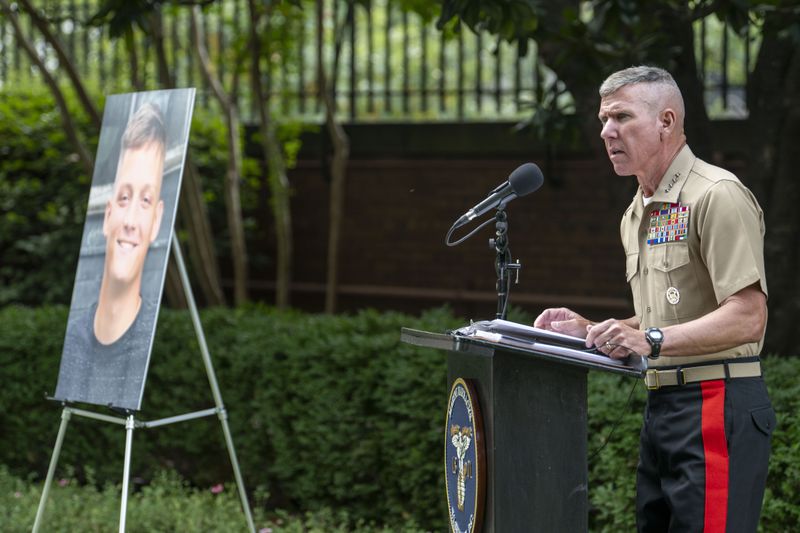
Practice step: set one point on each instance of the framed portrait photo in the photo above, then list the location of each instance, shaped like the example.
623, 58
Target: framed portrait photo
125, 248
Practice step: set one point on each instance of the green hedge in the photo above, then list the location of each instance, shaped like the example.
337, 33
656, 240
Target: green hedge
43, 193
325, 411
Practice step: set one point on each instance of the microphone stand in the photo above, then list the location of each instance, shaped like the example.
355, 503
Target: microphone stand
502, 264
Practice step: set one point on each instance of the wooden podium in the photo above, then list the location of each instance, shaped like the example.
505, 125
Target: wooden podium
532, 401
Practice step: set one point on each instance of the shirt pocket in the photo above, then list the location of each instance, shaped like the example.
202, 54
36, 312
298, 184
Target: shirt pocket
672, 281
633, 279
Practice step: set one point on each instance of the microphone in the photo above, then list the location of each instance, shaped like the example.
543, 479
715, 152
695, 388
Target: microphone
524, 180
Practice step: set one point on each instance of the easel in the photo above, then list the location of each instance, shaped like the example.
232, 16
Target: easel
131, 423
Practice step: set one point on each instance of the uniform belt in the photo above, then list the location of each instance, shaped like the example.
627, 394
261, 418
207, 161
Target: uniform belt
655, 379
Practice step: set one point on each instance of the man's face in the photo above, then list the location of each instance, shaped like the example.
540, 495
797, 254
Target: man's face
630, 131
133, 214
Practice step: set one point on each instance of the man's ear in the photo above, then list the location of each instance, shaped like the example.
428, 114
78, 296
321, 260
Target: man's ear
157, 223
667, 120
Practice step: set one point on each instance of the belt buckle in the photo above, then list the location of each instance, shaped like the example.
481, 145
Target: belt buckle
651, 384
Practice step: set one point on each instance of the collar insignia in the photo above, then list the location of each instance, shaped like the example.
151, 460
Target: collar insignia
672, 182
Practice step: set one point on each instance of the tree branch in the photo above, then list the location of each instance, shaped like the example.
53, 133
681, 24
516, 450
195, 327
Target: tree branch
277, 178
64, 61
66, 117
234, 171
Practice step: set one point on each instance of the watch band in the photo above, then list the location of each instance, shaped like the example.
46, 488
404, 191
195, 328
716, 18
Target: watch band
654, 337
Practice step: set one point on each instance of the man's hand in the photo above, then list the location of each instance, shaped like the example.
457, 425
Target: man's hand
563, 320
616, 339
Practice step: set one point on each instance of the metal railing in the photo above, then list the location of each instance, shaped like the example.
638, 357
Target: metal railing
393, 65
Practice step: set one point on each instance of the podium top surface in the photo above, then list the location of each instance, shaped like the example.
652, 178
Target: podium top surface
484, 338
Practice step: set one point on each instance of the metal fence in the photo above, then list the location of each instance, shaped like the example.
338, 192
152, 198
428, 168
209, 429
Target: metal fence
393, 65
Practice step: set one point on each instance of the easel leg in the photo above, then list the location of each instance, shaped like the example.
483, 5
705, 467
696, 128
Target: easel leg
65, 415
212, 379
237, 473
126, 474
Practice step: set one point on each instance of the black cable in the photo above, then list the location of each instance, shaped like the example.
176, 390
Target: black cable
470, 234
616, 424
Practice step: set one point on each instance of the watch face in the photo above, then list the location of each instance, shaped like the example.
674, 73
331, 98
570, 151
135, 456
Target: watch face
655, 335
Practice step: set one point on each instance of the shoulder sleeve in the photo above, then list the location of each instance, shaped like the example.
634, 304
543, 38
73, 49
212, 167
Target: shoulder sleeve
731, 228
626, 226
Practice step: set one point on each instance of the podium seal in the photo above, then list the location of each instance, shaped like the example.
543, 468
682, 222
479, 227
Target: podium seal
464, 459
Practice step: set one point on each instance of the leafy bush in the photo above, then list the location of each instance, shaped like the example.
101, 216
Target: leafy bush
167, 504
782, 499
326, 412
43, 193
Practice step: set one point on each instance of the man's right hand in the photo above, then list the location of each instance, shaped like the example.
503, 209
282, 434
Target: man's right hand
562, 320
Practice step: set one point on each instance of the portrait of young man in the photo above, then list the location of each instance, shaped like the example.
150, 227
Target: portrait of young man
111, 326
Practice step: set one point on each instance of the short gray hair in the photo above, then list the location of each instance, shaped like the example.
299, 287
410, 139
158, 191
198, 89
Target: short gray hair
634, 75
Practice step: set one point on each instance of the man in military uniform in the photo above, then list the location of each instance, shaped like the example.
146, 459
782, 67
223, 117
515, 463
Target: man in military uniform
693, 239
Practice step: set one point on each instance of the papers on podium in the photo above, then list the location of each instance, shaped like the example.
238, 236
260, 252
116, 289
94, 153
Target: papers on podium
557, 345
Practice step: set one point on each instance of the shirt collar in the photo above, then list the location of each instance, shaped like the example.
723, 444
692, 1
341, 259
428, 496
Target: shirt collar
669, 189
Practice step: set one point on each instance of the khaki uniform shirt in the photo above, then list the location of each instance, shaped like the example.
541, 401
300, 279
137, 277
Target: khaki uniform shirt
699, 241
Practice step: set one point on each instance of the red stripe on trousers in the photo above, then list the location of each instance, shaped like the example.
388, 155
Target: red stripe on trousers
716, 454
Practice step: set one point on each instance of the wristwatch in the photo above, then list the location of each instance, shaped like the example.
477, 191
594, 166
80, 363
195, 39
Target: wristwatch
654, 337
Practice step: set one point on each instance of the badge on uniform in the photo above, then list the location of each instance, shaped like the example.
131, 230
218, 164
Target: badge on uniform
668, 223
673, 295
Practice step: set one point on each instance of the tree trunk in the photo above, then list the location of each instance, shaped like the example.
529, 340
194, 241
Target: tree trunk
697, 124
66, 118
233, 202
278, 180
133, 59
773, 99
193, 215
65, 62
341, 154
165, 78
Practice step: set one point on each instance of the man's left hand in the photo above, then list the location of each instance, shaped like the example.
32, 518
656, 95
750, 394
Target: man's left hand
616, 339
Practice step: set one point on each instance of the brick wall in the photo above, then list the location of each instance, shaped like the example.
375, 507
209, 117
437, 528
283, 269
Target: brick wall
403, 195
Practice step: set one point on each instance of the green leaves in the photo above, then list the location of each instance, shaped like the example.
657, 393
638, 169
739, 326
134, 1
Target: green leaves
325, 412
43, 194
512, 20
120, 16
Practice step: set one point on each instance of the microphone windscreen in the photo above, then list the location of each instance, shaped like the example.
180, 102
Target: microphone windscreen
525, 179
